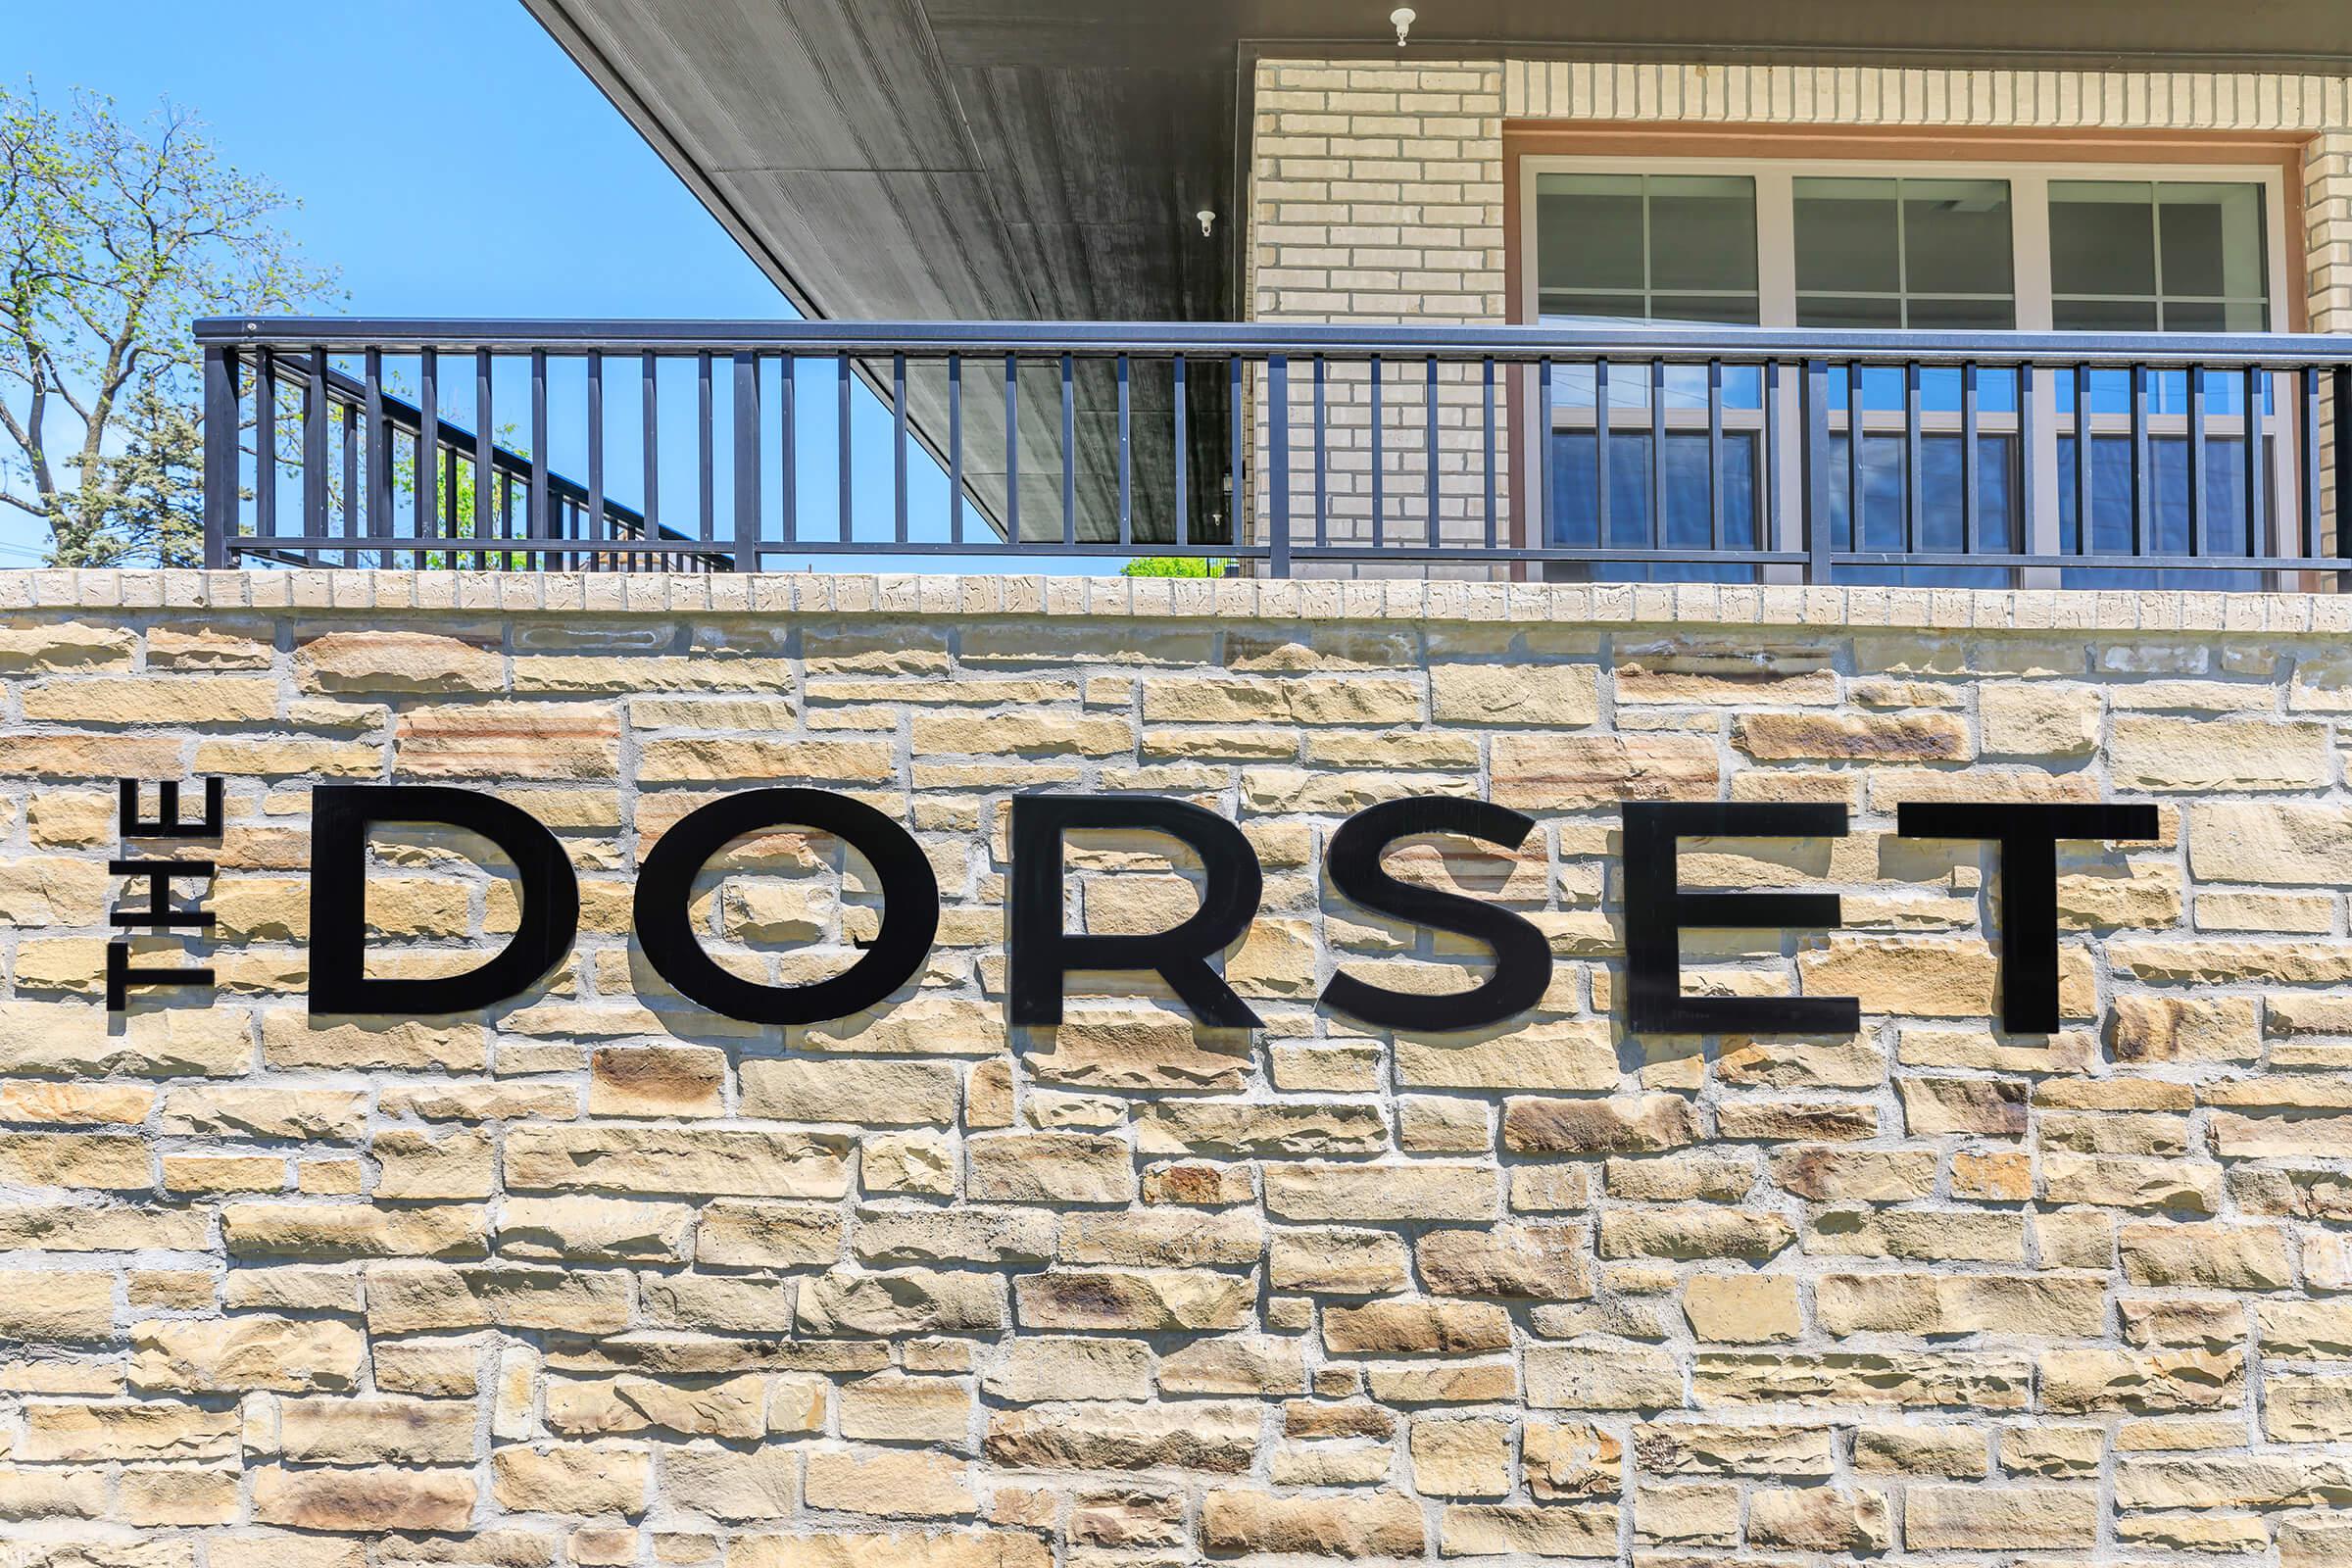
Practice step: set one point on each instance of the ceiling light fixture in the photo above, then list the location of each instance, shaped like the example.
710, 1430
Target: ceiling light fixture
1402, 19
1209, 221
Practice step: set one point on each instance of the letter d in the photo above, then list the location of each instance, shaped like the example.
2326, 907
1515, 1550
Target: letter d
341, 815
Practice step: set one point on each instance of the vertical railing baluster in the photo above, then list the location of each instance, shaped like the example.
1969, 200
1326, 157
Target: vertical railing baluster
746, 434
955, 448
847, 497
1915, 510
1600, 453
2026, 482
2259, 536
1715, 475
1322, 456
705, 420
538, 494
2143, 535
485, 455
380, 455
593, 516
1971, 466
1180, 437
2307, 450
1126, 457
788, 448
898, 447
1546, 454
221, 464
428, 437
2200, 521
317, 435
1486, 469
1658, 454
1238, 497
1379, 486
2343, 467
2083, 441
1853, 455
351, 479
1070, 453
1012, 452
449, 503
1429, 427
1816, 398
1278, 466
1768, 527
265, 449
649, 402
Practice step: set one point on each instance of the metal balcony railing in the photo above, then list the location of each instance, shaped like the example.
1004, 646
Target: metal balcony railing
1666, 452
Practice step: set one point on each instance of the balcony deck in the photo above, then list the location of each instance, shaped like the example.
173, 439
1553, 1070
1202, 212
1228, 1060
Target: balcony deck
1638, 454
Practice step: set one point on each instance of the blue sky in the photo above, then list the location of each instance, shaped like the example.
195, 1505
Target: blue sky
392, 124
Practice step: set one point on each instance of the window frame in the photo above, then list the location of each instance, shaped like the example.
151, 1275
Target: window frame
2029, 177
2029, 182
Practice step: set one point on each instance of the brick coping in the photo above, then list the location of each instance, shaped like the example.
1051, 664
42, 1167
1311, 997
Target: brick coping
1400, 599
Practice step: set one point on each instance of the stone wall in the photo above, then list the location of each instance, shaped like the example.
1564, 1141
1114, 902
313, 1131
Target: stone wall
600, 1278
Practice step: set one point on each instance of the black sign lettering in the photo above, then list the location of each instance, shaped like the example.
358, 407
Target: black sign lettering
665, 890
341, 815
1044, 952
2028, 836
1657, 912
1522, 955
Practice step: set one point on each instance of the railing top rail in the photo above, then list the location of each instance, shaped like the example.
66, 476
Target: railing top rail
1469, 342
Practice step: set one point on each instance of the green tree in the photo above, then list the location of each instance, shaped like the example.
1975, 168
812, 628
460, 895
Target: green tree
113, 235
1176, 566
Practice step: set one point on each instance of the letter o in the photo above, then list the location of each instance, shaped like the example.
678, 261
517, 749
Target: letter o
666, 884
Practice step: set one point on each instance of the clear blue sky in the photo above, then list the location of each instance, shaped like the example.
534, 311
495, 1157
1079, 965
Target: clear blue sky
392, 123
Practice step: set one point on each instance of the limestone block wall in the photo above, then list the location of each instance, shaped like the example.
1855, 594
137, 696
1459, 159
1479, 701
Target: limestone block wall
598, 1277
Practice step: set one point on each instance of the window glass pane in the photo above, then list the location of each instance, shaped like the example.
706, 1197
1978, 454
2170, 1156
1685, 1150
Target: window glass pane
2185, 256
1703, 232
1588, 231
2210, 240
1877, 252
1560, 305
1956, 237
1846, 238
2102, 237
1949, 315
1730, 310
1846, 309
2103, 316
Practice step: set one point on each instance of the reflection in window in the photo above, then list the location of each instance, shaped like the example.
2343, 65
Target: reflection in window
1901, 253
2226, 530
1687, 521
1646, 248
2157, 256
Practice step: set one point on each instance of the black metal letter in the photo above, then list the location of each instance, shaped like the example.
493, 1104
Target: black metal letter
665, 889
1522, 955
341, 815
1043, 952
1657, 912
2028, 836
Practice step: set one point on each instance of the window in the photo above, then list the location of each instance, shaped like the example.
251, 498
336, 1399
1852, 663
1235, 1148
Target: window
1902, 253
1649, 247
2149, 256
1896, 246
